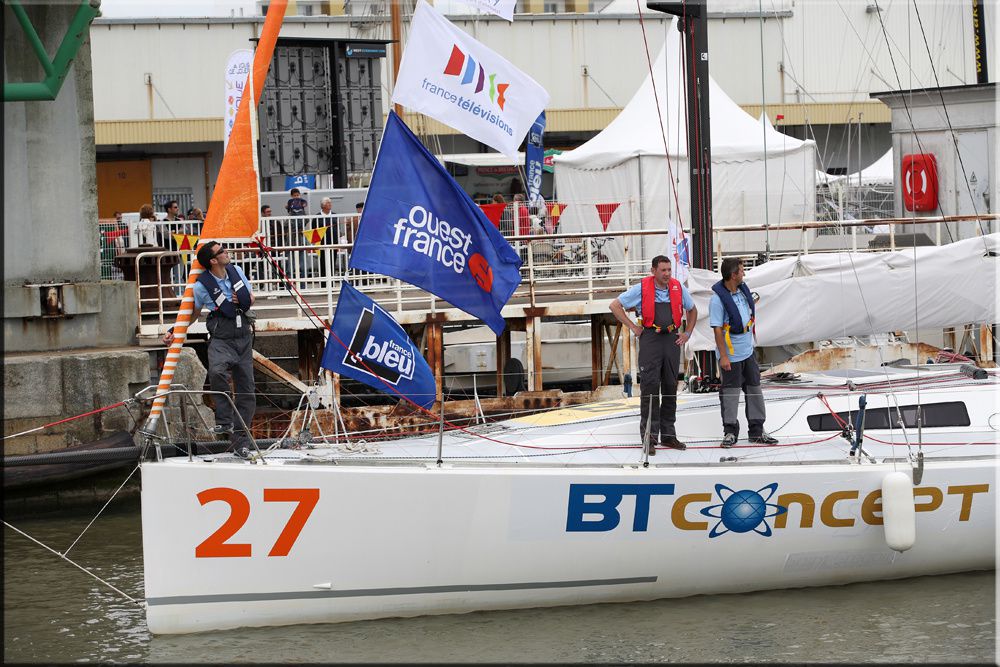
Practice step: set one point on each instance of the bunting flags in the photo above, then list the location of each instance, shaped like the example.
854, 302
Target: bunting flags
494, 212
186, 243
315, 236
555, 210
418, 225
605, 211
449, 76
368, 345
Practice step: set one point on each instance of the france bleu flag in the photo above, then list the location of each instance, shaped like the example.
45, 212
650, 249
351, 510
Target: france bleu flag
378, 352
418, 225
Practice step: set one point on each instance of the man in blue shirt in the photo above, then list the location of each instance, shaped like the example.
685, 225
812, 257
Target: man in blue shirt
663, 304
225, 290
731, 314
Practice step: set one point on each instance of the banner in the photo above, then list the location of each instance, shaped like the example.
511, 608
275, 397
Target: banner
449, 76
378, 352
418, 225
502, 8
306, 181
534, 158
237, 69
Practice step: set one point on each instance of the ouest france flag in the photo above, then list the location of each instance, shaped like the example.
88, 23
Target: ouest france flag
451, 77
368, 345
418, 225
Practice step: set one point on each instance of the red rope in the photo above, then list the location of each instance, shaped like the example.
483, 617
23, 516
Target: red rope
63, 421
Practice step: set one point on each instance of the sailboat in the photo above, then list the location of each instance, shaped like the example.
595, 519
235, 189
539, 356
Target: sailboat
879, 474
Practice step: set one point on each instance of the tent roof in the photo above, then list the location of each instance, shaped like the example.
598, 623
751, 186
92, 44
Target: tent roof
879, 172
735, 134
482, 159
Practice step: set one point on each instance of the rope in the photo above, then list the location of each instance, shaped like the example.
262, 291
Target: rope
68, 419
79, 567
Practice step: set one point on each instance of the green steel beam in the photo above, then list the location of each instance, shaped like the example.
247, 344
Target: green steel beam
57, 68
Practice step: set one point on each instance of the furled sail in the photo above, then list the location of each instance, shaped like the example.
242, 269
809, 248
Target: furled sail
233, 213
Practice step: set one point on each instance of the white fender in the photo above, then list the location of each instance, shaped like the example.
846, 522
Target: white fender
898, 513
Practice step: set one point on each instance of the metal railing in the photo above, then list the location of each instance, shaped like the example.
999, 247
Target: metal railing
581, 270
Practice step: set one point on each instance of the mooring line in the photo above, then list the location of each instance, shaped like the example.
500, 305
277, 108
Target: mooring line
76, 565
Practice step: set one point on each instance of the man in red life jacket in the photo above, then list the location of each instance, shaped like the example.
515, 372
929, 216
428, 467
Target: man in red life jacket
663, 304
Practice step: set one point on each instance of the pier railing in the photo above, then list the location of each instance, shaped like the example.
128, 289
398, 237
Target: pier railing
567, 273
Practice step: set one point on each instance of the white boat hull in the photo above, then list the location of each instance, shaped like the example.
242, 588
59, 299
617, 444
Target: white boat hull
415, 539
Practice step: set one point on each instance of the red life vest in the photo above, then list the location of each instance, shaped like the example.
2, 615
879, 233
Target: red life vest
648, 305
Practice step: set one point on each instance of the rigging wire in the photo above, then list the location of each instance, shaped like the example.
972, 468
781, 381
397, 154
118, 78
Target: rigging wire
763, 128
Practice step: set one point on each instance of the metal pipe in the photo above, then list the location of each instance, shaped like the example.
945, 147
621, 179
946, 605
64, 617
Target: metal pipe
58, 68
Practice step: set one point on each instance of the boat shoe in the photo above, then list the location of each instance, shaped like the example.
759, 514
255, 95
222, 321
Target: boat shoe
672, 442
651, 447
728, 441
764, 438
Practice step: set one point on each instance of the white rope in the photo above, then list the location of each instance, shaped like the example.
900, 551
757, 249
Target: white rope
79, 567
102, 509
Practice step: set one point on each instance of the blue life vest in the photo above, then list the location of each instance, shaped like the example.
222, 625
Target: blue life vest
224, 306
736, 325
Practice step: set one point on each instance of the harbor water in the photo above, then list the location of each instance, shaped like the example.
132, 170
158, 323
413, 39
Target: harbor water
54, 613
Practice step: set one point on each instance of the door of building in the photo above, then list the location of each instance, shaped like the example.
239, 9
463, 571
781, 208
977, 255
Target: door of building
124, 186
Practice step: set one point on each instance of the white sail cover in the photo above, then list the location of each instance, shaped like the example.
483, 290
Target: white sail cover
758, 173
818, 297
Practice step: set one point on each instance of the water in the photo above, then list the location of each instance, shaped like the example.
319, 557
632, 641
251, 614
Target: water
54, 613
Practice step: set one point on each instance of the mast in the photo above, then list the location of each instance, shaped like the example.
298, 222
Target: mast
693, 25
397, 46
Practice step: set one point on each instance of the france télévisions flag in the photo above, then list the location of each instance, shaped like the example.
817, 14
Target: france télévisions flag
368, 345
418, 225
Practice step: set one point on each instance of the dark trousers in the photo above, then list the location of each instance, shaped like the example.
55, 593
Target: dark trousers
743, 376
230, 369
659, 362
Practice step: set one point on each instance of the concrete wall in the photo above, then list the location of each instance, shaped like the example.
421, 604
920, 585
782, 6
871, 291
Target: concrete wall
50, 205
41, 389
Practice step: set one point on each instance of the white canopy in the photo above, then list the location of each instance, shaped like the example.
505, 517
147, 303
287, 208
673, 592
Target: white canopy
832, 295
482, 159
758, 173
879, 172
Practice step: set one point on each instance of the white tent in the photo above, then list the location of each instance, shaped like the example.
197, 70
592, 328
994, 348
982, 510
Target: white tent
879, 172
627, 163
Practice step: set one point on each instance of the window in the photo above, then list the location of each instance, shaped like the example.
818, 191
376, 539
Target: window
935, 415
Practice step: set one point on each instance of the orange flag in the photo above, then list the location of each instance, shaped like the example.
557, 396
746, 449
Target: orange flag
234, 212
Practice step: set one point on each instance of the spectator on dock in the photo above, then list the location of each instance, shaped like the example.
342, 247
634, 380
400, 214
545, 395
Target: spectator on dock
663, 305
731, 313
173, 211
296, 205
145, 229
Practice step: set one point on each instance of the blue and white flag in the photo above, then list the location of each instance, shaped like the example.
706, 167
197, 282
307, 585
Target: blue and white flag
418, 225
307, 181
534, 154
378, 351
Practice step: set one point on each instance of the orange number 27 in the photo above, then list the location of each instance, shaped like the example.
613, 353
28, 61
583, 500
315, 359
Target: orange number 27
216, 546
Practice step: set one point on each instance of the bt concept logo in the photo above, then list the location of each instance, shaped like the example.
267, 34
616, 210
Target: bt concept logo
739, 512
460, 61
